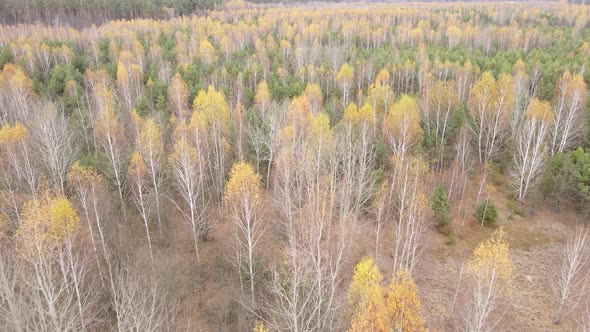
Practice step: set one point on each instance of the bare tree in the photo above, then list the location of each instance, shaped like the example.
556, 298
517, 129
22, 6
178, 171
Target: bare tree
54, 143
402, 203
568, 112
189, 176
111, 139
142, 304
142, 194
571, 282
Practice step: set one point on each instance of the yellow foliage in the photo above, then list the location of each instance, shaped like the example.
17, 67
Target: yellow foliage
396, 309
299, 115
263, 96
345, 76
540, 110
403, 304
81, 175
150, 138
243, 181
320, 128
213, 106
46, 221
403, 120
13, 134
137, 168
491, 258
260, 328
313, 93
366, 282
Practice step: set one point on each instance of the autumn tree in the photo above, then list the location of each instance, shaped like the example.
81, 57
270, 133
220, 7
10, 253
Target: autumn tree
490, 106
212, 135
345, 79
397, 308
20, 174
568, 112
401, 203
64, 293
178, 96
365, 297
143, 195
438, 109
357, 157
150, 147
244, 199
110, 137
489, 272
87, 186
402, 128
530, 154
189, 178
402, 304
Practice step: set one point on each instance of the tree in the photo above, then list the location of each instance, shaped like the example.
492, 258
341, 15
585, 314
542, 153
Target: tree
142, 303
530, 155
142, 195
490, 105
441, 207
403, 304
401, 202
345, 79
19, 173
244, 199
54, 143
212, 134
189, 176
110, 136
395, 309
489, 271
86, 183
438, 108
263, 98
178, 96
150, 147
365, 297
569, 112
573, 274
356, 152
557, 180
402, 126
63, 294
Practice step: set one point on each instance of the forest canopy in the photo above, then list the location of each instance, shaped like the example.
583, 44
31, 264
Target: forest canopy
177, 164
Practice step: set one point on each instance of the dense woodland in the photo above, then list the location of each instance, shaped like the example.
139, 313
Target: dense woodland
275, 168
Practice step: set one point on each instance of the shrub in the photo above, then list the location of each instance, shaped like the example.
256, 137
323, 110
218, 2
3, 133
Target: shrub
486, 213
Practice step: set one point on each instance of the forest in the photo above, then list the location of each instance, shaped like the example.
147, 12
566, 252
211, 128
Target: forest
294, 167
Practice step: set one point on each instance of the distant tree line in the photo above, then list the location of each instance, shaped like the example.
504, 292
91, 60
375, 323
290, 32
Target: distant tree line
84, 12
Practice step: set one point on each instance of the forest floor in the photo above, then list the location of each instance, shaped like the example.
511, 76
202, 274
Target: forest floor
209, 293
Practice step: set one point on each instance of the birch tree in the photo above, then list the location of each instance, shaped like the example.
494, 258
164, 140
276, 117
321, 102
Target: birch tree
402, 128
490, 106
572, 277
188, 171
530, 155
142, 194
569, 113
244, 199
489, 272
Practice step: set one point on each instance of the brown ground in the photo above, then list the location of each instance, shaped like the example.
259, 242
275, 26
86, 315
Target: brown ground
209, 295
